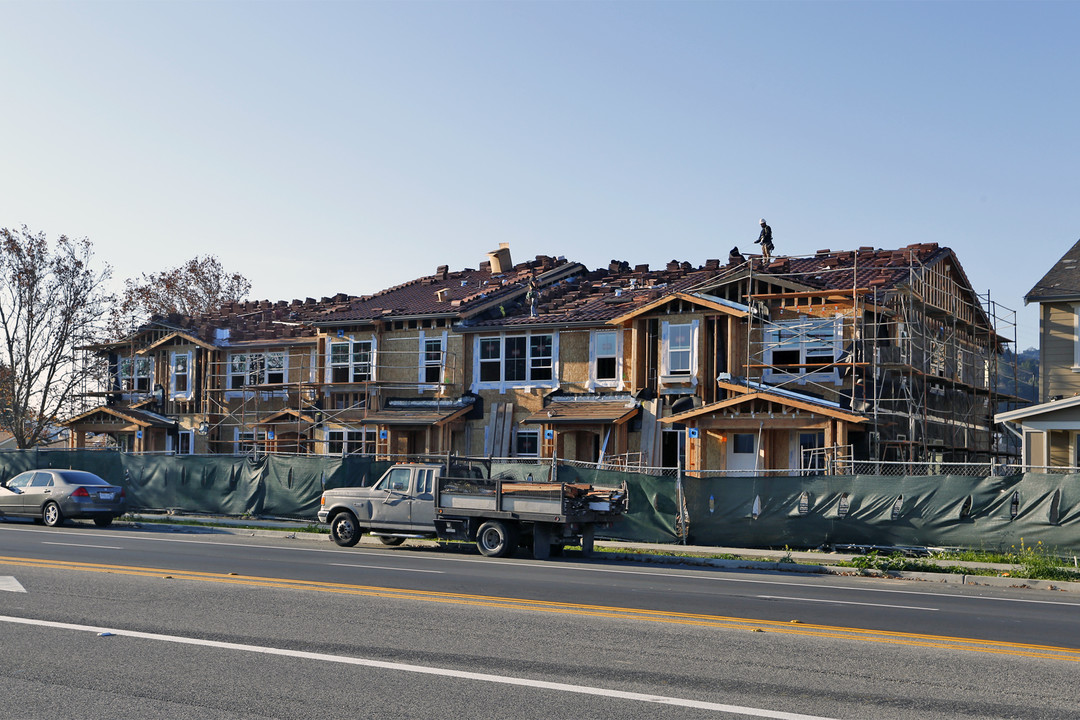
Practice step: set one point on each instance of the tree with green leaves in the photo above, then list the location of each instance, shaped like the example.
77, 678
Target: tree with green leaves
52, 301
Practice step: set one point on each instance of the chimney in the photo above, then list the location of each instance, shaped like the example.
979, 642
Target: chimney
500, 259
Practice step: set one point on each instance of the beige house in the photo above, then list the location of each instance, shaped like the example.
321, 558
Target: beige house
1050, 430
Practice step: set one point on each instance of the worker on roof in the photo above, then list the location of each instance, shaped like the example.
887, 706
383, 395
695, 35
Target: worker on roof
765, 239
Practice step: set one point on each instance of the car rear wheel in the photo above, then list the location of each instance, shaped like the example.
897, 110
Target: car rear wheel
344, 529
103, 521
51, 515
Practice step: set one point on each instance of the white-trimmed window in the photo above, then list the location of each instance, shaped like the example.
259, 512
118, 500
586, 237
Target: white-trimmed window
260, 368
803, 349
678, 351
527, 443
605, 357
135, 374
182, 444
432, 357
516, 359
350, 361
180, 379
350, 442
248, 442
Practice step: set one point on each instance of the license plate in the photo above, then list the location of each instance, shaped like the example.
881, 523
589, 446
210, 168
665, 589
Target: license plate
106, 496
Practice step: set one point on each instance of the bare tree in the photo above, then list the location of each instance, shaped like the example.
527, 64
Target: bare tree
198, 286
52, 301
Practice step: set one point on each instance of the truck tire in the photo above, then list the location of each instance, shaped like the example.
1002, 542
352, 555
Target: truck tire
391, 540
587, 535
496, 539
344, 530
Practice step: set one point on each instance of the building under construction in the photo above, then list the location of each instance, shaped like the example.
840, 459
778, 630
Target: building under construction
865, 354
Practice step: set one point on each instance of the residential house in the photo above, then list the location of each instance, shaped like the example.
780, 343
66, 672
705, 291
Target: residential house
1049, 430
242, 379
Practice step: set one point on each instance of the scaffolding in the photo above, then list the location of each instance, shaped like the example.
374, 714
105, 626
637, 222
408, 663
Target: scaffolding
919, 354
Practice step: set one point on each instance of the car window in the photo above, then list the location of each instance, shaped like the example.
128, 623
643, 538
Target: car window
397, 480
80, 477
41, 480
20, 481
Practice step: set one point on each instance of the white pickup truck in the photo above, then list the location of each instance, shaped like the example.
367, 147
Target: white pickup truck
417, 500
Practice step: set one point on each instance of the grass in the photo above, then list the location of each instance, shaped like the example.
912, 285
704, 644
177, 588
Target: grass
1028, 562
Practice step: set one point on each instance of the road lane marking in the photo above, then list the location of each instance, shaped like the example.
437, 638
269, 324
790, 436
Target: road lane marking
578, 609
706, 573
8, 583
846, 602
428, 670
383, 567
83, 545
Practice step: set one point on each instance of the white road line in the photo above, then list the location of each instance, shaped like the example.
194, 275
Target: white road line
84, 545
847, 602
9, 584
425, 670
392, 569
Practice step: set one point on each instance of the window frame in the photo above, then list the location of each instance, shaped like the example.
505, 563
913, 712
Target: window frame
174, 391
536, 366
667, 375
132, 373
359, 363
595, 356
804, 335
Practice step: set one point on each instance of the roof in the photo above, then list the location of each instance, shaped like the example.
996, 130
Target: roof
1062, 282
599, 296
1037, 410
585, 412
786, 398
453, 294
142, 418
419, 412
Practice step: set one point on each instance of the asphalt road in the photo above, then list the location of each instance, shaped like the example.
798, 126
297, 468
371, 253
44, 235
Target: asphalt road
239, 627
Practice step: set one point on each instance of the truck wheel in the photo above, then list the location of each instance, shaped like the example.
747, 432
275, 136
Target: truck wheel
587, 541
496, 539
391, 540
344, 529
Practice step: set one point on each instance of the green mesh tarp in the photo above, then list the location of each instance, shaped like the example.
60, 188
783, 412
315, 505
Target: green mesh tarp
798, 512
935, 511
651, 503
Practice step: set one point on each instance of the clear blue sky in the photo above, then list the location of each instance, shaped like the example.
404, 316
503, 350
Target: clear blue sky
324, 147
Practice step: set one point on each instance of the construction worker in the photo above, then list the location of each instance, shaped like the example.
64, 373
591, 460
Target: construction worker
765, 239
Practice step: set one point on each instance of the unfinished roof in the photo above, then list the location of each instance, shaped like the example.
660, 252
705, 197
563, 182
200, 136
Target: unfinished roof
601, 295
590, 410
452, 294
1062, 282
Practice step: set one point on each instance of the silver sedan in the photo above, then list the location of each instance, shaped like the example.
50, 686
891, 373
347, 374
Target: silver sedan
53, 496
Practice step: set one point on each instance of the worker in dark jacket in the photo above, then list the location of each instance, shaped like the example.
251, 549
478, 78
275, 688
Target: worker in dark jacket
765, 239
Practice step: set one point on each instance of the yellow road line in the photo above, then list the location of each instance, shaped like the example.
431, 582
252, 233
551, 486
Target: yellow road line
660, 616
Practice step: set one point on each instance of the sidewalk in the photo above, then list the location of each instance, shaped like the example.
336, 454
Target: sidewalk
653, 553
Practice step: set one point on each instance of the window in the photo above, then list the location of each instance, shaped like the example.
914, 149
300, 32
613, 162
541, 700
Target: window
605, 359
803, 349
516, 359
350, 442
348, 401
350, 361
180, 375
678, 354
527, 443
397, 480
431, 359
249, 442
135, 374
256, 369
182, 444
679, 349
742, 443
